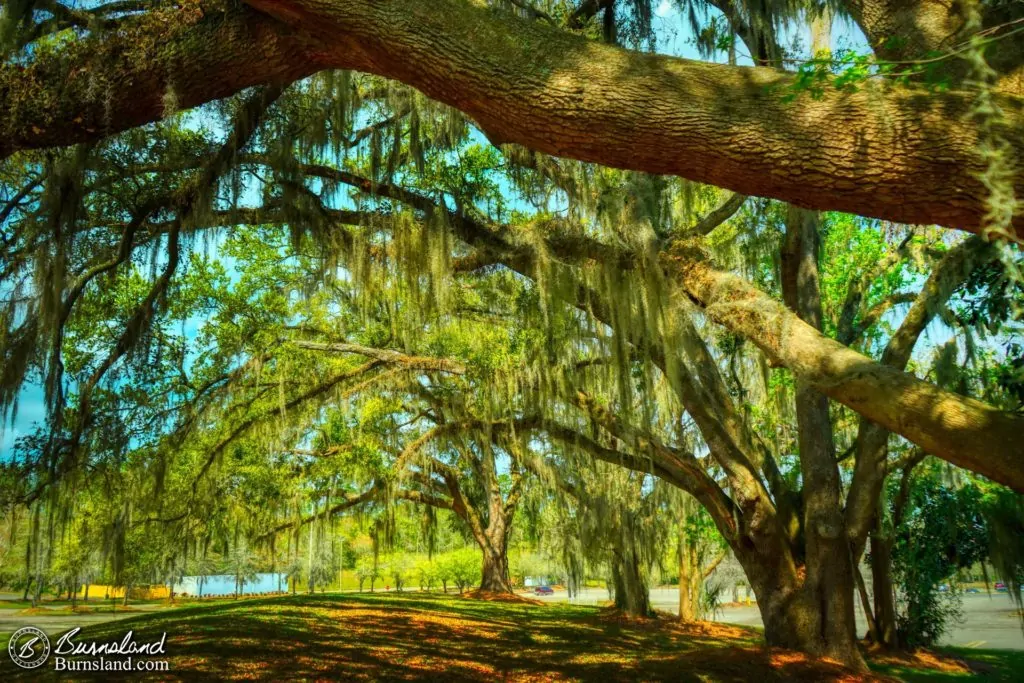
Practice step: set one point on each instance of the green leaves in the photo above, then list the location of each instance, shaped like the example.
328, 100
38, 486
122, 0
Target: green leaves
850, 71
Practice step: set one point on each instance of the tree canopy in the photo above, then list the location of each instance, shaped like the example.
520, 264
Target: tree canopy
509, 270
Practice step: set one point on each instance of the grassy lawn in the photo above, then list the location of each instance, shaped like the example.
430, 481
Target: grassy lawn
416, 636
987, 665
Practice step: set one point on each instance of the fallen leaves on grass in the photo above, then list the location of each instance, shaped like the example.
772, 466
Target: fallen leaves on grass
479, 637
921, 659
491, 596
798, 666
708, 629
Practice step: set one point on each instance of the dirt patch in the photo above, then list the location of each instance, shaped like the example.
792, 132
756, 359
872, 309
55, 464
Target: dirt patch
501, 597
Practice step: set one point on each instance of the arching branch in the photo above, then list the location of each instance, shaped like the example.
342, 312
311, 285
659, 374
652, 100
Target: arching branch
899, 154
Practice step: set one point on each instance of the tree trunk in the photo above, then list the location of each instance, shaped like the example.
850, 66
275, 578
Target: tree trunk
881, 584
826, 601
686, 610
632, 595
865, 602
689, 579
797, 615
495, 572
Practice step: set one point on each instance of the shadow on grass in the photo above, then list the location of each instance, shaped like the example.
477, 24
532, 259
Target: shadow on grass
430, 637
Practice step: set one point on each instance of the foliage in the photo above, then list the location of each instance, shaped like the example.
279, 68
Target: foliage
459, 567
943, 530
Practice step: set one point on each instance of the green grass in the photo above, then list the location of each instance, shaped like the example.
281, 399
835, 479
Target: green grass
987, 665
416, 636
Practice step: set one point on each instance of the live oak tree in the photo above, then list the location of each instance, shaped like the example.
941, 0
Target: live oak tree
633, 301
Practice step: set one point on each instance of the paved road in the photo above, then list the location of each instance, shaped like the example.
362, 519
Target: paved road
11, 620
989, 622
56, 624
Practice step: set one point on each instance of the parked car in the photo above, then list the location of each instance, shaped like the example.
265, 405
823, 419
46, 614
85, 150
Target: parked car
972, 590
544, 590
1000, 586
944, 588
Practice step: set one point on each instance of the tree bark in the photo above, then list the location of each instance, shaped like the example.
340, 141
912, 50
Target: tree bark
632, 594
894, 153
828, 587
494, 578
688, 578
902, 31
882, 588
960, 430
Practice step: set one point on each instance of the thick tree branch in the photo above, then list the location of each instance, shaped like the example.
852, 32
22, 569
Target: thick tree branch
895, 153
873, 438
422, 498
960, 430
678, 469
248, 423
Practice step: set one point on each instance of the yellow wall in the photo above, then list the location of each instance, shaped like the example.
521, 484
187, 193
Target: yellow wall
99, 592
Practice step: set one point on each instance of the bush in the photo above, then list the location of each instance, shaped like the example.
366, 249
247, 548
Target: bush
942, 531
367, 569
396, 568
461, 567
426, 573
